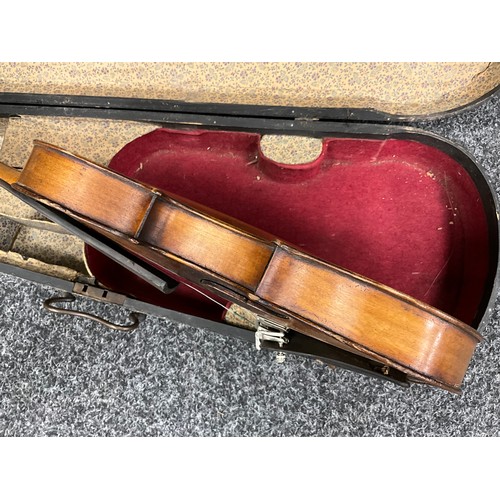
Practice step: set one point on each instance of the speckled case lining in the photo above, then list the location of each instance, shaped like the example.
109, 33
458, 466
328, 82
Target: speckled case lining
398, 88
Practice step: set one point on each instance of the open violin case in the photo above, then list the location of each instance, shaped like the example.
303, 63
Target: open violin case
320, 155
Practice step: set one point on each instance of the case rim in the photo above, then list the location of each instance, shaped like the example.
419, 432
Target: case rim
161, 111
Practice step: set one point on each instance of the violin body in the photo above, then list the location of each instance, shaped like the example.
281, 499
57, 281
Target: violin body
249, 267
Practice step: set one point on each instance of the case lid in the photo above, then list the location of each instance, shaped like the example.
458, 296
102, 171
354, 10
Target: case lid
398, 90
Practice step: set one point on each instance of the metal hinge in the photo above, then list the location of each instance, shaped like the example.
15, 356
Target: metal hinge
270, 331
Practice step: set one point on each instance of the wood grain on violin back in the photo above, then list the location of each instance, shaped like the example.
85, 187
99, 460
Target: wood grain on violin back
8, 174
47, 170
238, 256
381, 323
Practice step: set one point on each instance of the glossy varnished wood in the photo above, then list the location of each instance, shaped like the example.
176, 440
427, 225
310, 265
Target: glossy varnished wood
206, 243
371, 315
75, 183
8, 174
250, 268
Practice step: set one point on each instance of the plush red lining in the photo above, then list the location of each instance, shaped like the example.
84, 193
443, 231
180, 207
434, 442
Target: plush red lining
397, 211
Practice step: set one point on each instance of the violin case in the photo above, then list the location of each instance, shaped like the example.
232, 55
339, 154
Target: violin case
323, 156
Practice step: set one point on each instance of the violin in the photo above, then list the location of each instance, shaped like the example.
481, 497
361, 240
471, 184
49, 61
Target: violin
286, 287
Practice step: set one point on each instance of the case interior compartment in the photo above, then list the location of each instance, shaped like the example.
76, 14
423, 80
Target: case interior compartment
398, 211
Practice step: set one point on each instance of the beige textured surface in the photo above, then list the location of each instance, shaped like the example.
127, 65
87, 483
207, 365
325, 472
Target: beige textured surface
238, 316
8, 233
35, 265
96, 140
292, 150
400, 88
3, 128
52, 248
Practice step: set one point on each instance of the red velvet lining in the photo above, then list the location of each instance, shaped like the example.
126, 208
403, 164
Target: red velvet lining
397, 211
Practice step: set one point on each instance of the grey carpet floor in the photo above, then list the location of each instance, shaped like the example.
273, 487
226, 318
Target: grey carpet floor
65, 377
